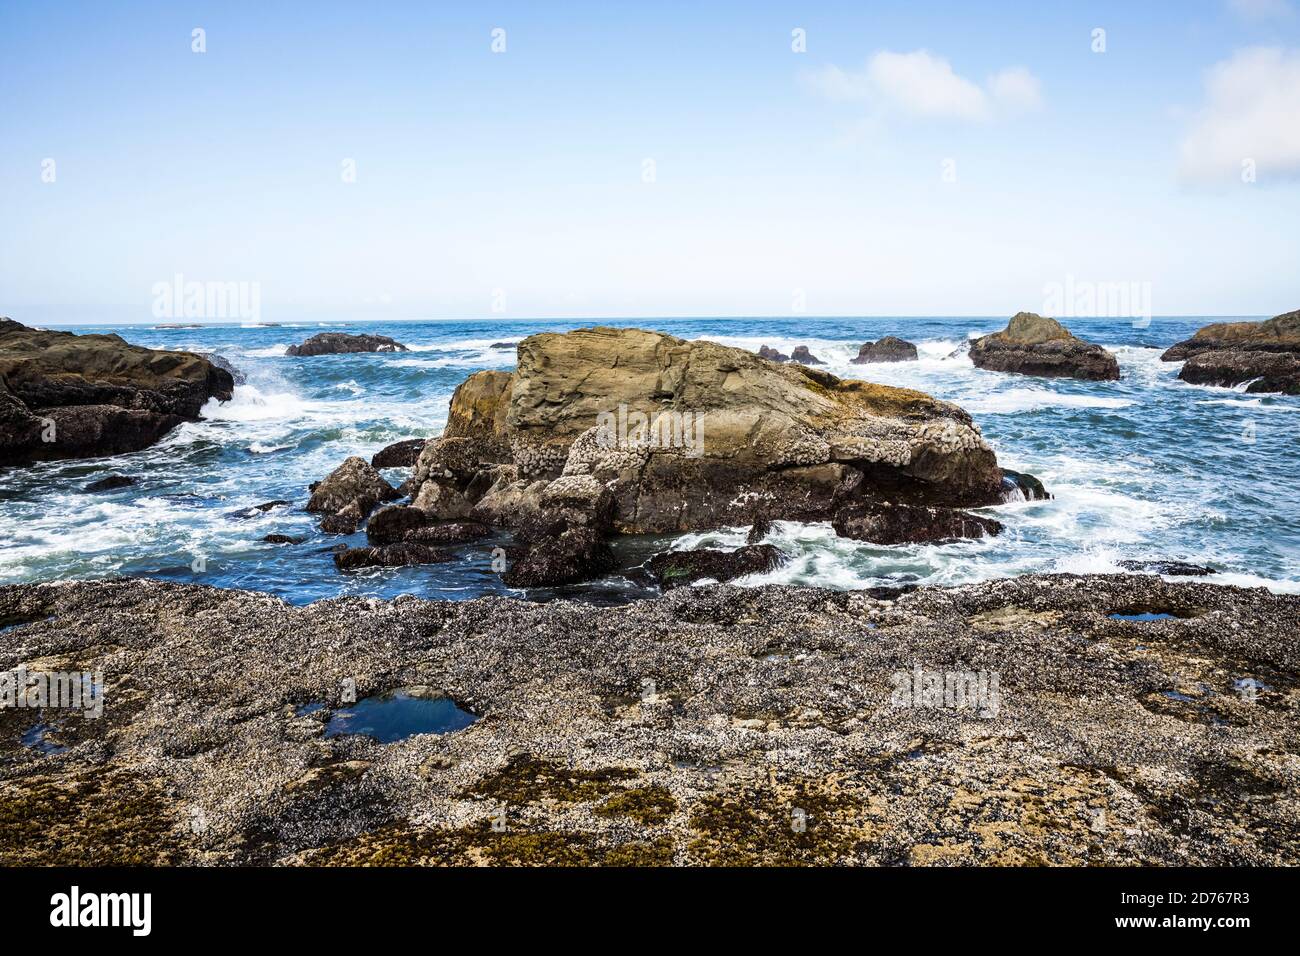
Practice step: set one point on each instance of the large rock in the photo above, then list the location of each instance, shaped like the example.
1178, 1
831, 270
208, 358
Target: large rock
1278, 334
910, 524
79, 396
336, 343
348, 494
1034, 345
1266, 354
888, 349
691, 435
402, 554
405, 523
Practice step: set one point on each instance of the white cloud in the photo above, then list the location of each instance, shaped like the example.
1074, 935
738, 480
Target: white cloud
1251, 112
1016, 88
1261, 9
922, 84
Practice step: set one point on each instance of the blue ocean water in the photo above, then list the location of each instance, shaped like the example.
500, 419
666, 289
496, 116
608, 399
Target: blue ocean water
1144, 468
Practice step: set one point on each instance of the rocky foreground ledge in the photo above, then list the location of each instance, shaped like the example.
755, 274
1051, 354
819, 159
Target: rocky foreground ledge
715, 725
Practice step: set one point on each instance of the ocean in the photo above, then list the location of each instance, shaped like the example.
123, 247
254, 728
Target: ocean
1146, 468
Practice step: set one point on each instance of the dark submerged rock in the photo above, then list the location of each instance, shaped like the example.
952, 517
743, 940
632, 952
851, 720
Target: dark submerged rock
888, 349
111, 483
1034, 345
910, 524
282, 539
676, 568
1180, 568
337, 343
1026, 485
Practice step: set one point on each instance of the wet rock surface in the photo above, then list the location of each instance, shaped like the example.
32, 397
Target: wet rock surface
1034, 345
771, 354
82, 396
402, 454
348, 494
910, 524
888, 349
804, 357
677, 568
338, 343
691, 729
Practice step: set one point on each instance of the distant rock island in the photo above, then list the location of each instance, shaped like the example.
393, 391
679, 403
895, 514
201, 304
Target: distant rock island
337, 343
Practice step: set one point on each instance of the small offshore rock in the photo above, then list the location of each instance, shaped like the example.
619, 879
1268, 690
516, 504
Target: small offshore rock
888, 349
804, 357
111, 483
338, 343
1034, 345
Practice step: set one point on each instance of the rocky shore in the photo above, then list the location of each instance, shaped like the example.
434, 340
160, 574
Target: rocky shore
1113, 720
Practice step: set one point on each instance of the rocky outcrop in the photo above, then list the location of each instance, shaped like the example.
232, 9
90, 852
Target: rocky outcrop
1265, 354
1034, 345
772, 355
1278, 334
686, 730
1265, 371
348, 494
804, 357
910, 524
82, 396
676, 568
689, 435
337, 343
888, 349
402, 454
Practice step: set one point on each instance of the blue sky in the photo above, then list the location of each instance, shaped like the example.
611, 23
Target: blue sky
917, 159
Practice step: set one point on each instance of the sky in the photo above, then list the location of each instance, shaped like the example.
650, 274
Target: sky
437, 161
